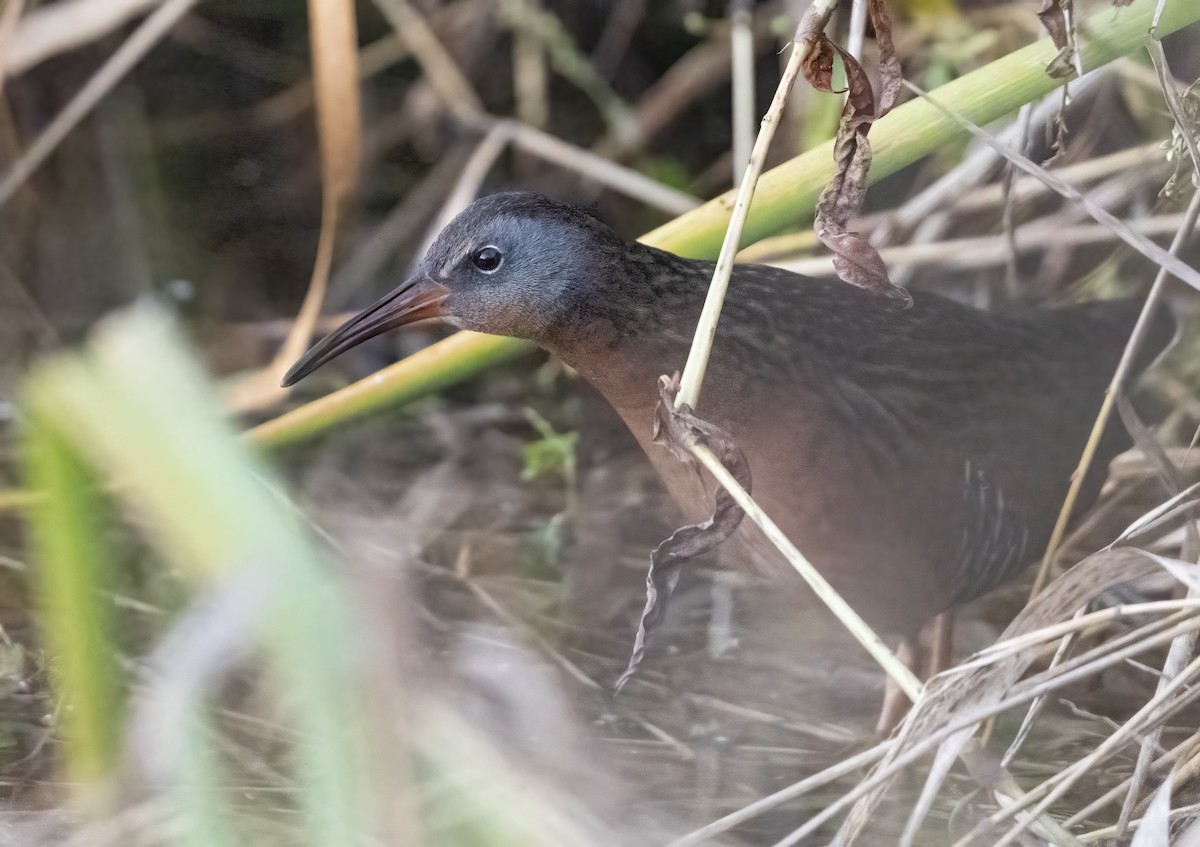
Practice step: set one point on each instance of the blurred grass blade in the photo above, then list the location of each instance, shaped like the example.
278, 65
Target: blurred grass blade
139, 409
69, 536
784, 198
204, 819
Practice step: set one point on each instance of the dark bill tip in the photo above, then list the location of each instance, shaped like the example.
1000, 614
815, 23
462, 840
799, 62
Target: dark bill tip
419, 298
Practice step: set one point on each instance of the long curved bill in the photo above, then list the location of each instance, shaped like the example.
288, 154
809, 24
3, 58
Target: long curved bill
419, 298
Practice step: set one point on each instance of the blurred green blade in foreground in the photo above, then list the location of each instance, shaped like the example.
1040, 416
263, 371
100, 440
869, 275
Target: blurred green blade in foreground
136, 407
69, 540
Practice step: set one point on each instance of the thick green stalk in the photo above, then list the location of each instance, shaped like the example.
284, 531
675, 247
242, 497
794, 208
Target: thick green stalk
427, 371
786, 195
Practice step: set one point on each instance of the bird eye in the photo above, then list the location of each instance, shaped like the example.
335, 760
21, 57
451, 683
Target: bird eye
487, 259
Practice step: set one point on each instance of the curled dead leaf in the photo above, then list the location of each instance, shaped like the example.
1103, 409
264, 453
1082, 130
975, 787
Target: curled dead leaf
1054, 21
1056, 17
855, 259
676, 428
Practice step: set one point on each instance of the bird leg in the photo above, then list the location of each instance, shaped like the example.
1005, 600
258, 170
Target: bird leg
941, 647
936, 659
895, 701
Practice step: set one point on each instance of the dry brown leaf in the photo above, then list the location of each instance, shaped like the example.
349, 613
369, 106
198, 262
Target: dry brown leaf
1056, 17
817, 66
855, 259
1054, 21
675, 428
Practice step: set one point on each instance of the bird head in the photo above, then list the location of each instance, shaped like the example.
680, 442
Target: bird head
515, 264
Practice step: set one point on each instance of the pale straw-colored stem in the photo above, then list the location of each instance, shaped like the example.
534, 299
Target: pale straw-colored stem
55, 28
10, 16
858, 30
1141, 721
706, 330
969, 718
1164, 761
1163, 258
986, 251
1035, 708
791, 792
741, 38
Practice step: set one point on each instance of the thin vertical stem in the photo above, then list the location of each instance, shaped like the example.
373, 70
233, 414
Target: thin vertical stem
706, 330
742, 59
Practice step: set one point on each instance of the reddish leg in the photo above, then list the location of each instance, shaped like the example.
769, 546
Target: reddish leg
941, 649
895, 701
938, 658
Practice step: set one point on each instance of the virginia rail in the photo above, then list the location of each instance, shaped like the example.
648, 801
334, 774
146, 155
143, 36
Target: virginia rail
918, 457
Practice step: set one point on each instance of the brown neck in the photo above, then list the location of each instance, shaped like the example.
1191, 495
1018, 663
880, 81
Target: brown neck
621, 336
626, 371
